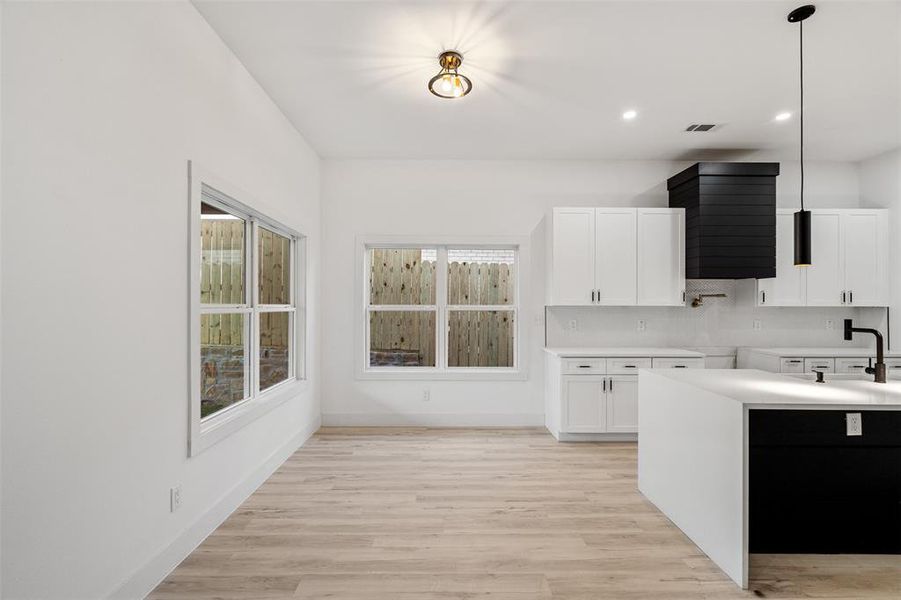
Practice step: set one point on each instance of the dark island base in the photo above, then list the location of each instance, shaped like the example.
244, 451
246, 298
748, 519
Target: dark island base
815, 490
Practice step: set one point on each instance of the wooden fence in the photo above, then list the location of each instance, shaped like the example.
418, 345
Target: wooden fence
222, 282
475, 338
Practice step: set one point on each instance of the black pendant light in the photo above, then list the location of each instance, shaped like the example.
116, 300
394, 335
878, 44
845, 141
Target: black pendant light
802, 217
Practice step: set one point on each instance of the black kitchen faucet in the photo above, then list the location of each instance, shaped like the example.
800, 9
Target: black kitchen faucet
878, 370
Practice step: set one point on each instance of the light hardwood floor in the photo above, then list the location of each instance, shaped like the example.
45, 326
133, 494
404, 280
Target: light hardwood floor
420, 514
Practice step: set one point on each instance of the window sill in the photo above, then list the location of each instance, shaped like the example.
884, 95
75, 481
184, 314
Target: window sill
429, 374
233, 419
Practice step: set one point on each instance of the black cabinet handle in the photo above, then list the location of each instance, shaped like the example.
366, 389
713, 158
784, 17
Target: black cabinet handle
629, 367
851, 297
611, 384
605, 386
584, 366
592, 295
678, 366
843, 297
763, 295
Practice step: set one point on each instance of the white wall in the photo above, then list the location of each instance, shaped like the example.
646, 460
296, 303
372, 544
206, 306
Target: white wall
103, 105
490, 198
880, 186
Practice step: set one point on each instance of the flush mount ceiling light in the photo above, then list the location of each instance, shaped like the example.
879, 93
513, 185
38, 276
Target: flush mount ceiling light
630, 114
783, 116
448, 83
802, 217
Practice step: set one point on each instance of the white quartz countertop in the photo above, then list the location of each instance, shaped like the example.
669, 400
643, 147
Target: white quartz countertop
844, 351
755, 388
630, 352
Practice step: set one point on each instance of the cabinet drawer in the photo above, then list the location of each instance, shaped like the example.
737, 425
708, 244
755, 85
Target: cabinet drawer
893, 367
678, 363
585, 366
827, 365
851, 365
627, 366
792, 365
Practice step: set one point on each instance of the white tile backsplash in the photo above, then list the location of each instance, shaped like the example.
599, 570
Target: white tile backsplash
719, 322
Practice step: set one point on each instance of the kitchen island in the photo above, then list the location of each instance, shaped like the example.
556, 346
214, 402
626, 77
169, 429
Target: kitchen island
727, 454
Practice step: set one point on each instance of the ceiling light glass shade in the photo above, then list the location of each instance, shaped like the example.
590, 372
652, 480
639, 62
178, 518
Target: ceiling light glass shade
448, 83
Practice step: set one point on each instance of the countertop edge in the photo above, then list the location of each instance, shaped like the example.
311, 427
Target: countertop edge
624, 352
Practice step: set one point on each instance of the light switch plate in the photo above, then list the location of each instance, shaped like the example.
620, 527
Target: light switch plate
642, 325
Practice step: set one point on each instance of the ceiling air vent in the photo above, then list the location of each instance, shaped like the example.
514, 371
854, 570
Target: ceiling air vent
701, 127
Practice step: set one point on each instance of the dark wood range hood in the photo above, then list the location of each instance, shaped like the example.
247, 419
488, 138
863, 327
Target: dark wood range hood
730, 219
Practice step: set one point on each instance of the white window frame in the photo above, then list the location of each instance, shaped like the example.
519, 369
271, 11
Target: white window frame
520, 308
204, 432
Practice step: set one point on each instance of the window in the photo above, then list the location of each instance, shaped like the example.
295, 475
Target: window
245, 311
441, 308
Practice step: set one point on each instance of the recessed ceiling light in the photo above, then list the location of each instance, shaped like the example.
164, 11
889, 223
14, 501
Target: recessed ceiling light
783, 116
629, 115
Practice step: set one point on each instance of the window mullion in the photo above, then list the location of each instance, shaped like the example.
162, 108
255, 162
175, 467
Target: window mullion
254, 298
441, 319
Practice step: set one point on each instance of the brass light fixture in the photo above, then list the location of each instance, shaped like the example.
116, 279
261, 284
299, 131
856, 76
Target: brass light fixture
448, 83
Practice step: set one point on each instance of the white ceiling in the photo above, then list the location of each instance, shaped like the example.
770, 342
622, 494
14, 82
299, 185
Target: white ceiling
551, 79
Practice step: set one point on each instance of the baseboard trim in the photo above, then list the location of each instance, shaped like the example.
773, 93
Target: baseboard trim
432, 420
146, 578
597, 437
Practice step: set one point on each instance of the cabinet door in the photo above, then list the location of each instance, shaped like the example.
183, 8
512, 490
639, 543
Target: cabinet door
661, 256
864, 247
824, 275
573, 262
787, 288
584, 404
616, 246
622, 404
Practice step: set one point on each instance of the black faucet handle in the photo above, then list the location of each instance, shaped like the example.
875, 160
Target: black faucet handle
819, 376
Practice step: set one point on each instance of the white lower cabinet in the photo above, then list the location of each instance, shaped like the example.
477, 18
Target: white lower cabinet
584, 404
599, 395
622, 404
593, 404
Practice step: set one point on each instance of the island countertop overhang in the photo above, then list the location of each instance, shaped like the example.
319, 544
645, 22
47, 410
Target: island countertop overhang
761, 389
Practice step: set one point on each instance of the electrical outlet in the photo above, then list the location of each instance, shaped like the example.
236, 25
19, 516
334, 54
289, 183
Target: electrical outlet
426, 395
174, 498
854, 423
573, 325
642, 325
830, 324
757, 325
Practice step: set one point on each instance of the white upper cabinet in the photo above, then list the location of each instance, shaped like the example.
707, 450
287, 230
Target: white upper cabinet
787, 288
573, 269
824, 275
618, 256
661, 256
615, 260
849, 250
864, 250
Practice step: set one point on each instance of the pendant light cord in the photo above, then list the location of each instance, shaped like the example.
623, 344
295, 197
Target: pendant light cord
801, 37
